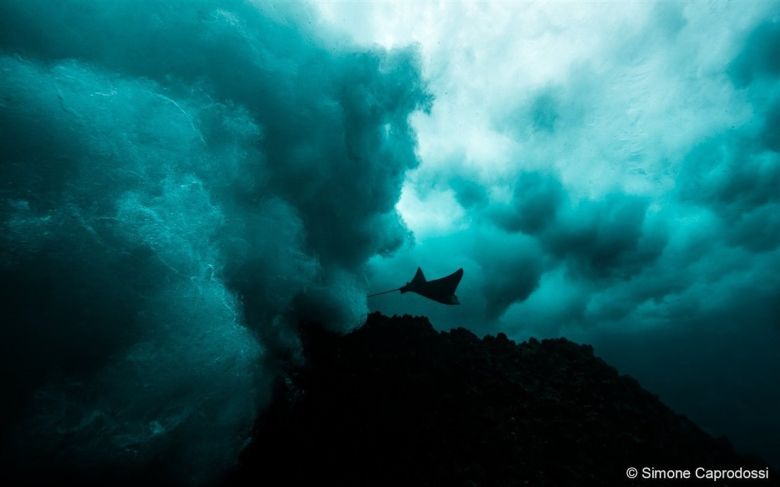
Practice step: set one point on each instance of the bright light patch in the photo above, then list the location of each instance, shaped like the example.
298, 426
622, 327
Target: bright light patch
435, 212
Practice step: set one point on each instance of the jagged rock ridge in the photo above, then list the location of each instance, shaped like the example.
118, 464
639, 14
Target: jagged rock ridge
397, 403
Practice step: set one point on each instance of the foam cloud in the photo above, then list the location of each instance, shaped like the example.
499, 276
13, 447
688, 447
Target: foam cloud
633, 147
181, 182
617, 158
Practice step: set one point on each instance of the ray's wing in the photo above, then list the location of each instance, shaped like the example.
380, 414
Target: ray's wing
447, 285
454, 279
419, 277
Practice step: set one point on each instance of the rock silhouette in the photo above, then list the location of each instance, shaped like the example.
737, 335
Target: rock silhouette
397, 403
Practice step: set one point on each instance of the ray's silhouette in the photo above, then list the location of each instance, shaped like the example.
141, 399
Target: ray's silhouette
441, 290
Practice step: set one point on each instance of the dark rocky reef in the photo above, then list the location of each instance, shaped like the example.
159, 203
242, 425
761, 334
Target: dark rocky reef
397, 403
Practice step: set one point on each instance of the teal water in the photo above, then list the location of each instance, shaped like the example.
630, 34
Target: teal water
181, 181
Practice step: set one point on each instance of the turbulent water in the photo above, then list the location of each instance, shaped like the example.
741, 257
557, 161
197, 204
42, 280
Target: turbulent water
179, 181
183, 180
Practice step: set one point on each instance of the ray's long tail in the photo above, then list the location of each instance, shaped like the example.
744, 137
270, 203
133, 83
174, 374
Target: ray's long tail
384, 292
